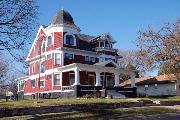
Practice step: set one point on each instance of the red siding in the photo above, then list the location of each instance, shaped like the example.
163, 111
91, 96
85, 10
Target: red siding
58, 40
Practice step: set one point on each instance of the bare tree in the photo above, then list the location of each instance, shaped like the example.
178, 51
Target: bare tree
160, 47
3, 69
17, 22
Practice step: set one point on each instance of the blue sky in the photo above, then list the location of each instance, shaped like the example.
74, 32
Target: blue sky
121, 18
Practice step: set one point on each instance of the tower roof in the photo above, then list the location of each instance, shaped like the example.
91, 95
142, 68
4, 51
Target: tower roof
62, 17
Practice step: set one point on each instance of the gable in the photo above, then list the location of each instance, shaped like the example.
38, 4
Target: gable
32, 49
108, 63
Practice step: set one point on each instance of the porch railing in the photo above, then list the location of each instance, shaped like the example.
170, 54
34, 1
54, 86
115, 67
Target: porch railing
68, 87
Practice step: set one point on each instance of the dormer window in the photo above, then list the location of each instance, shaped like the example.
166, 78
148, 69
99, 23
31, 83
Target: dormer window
49, 40
106, 44
70, 39
101, 44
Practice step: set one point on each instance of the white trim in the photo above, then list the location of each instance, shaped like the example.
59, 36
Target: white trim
73, 38
40, 28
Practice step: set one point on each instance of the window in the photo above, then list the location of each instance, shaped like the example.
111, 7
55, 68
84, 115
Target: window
33, 68
155, 85
86, 58
71, 78
42, 67
41, 83
48, 77
91, 79
22, 85
101, 59
43, 48
48, 57
101, 44
57, 58
56, 79
106, 44
33, 83
69, 40
69, 56
49, 41
146, 87
92, 59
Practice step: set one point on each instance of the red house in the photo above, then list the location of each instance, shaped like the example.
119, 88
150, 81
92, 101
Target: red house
65, 63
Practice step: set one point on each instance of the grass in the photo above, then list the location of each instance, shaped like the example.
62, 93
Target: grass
48, 102
105, 114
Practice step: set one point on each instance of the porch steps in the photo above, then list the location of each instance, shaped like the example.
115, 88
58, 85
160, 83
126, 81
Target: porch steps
115, 94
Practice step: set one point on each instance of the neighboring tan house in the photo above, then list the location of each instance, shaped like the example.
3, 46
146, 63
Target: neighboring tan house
66, 63
163, 85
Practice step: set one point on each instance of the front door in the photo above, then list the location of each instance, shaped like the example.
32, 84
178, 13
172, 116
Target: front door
109, 81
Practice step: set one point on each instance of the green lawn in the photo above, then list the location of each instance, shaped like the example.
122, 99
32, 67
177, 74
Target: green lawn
152, 113
48, 102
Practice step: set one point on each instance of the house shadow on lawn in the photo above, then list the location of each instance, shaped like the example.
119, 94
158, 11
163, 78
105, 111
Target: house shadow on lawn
106, 114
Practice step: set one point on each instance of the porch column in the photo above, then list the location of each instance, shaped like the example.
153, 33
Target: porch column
133, 80
77, 78
61, 79
116, 79
98, 79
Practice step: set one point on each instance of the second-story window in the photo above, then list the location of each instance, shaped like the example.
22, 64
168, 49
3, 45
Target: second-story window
49, 40
92, 59
70, 40
42, 67
86, 58
48, 57
57, 58
69, 55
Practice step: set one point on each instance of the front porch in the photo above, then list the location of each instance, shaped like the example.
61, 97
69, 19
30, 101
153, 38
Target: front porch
98, 78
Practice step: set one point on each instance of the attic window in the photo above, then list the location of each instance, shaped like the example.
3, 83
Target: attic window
70, 40
49, 41
43, 48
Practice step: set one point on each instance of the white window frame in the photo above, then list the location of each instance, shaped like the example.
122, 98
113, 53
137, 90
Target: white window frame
73, 38
51, 40
55, 59
59, 79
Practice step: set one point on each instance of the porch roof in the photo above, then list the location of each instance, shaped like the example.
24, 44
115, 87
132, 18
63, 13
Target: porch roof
94, 68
